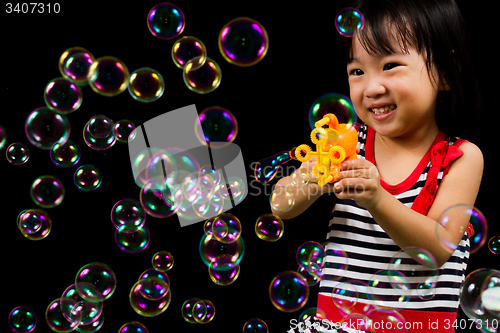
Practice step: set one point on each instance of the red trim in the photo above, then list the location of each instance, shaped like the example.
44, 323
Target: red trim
416, 321
406, 184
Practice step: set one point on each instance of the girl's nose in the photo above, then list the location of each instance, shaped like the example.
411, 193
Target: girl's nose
374, 88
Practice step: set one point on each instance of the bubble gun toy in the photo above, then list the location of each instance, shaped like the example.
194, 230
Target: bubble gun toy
334, 144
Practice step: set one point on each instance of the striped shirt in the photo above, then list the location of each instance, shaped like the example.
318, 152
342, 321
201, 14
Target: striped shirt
376, 271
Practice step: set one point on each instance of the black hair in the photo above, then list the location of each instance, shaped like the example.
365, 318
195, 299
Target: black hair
437, 29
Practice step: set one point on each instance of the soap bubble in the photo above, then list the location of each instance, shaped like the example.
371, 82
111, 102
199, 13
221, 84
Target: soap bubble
133, 327
456, 219
288, 292
187, 48
73, 304
269, 227
152, 272
128, 215
66, 154
218, 255
156, 202
45, 127
55, 319
108, 76
22, 319
337, 104
34, 224
98, 132
17, 153
308, 277
311, 256
266, 169
162, 261
227, 276
62, 96
122, 130
154, 288
282, 199
349, 21
243, 41
166, 21
202, 79
217, 126
494, 244
226, 228
255, 325
146, 85
77, 66
47, 191
132, 242
87, 178
143, 305
63, 59
389, 319
101, 276
194, 310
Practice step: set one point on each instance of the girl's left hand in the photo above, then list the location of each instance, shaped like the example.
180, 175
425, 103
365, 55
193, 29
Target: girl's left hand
359, 180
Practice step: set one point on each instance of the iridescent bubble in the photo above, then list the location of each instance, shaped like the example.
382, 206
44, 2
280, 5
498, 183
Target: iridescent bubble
73, 304
100, 275
3, 136
22, 319
337, 104
132, 242
63, 96
108, 76
349, 21
217, 126
221, 256
209, 177
282, 199
47, 191
308, 277
77, 67
128, 215
269, 227
205, 78
226, 228
55, 319
69, 53
92, 327
87, 178
243, 41
151, 272
195, 310
235, 186
45, 127
311, 254
288, 292
456, 219
123, 129
144, 306
153, 288
162, 261
187, 48
209, 312
300, 178
66, 154
312, 319
478, 305
494, 244
266, 169
346, 295
187, 309
146, 85
395, 281
34, 224
224, 277
255, 325
156, 202
98, 132
133, 327
166, 20
17, 153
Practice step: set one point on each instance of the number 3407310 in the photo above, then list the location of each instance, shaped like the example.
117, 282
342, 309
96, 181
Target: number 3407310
32, 8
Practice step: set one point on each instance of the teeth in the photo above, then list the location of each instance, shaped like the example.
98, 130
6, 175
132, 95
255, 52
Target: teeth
384, 109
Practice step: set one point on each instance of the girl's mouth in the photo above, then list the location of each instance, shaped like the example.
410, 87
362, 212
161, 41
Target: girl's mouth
382, 112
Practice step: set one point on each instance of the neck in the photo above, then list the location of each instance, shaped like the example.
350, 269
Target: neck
420, 139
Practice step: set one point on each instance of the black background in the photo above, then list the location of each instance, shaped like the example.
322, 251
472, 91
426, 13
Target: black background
270, 101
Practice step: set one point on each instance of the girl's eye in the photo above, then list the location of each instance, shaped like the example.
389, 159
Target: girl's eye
356, 72
390, 66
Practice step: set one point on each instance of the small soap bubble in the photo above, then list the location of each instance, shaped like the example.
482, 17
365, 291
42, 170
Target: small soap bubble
255, 325
282, 198
128, 215
243, 41
300, 178
209, 177
133, 327
195, 310
218, 255
205, 78
494, 244
101, 276
166, 21
144, 306
22, 319
63, 96
44, 127
17, 153
346, 295
312, 318
122, 130
159, 203
146, 85
457, 218
77, 66
69, 53
288, 291
217, 126
34, 224
337, 104
162, 261
98, 132
225, 277
56, 320
73, 304
3, 136
108, 76
47, 191
87, 178
349, 21
187, 309
311, 255
187, 48
226, 228
132, 242
66, 154
269, 227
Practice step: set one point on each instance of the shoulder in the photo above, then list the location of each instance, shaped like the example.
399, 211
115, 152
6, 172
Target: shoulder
472, 157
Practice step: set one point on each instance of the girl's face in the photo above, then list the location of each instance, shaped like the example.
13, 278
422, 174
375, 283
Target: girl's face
393, 94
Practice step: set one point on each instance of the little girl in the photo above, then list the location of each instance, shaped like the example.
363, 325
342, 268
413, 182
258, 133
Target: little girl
414, 92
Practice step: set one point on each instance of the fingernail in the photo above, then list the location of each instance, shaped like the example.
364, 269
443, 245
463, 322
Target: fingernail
343, 165
337, 186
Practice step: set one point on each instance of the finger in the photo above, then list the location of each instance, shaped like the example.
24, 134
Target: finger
354, 173
355, 164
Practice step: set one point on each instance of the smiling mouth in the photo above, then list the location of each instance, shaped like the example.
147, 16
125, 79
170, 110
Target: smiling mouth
383, 110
